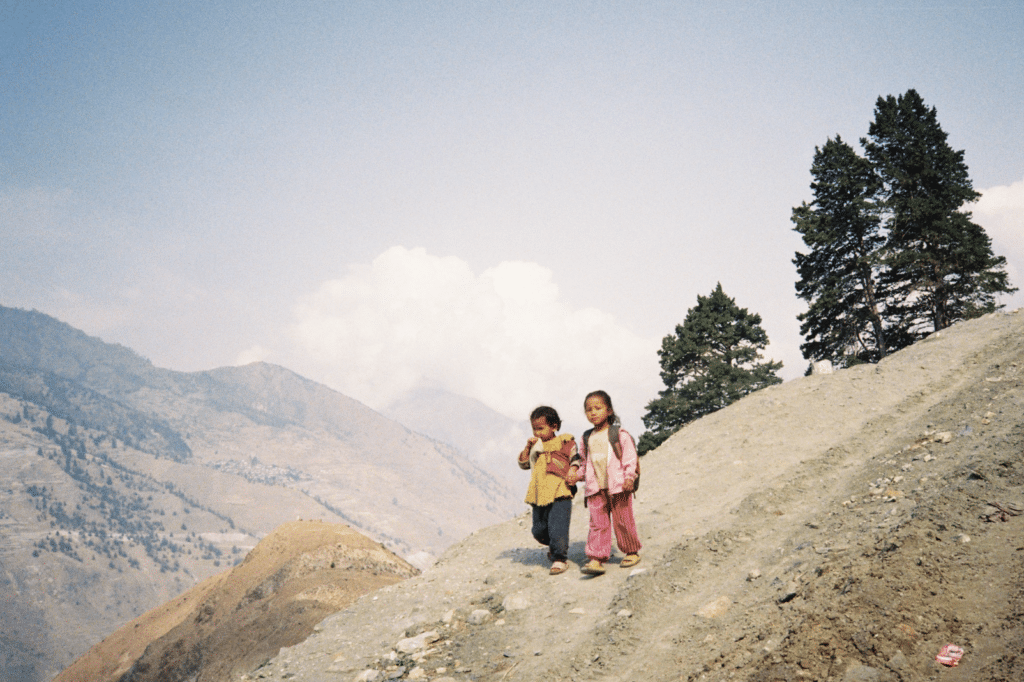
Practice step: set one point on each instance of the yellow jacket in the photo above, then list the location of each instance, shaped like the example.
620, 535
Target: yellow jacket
546, 487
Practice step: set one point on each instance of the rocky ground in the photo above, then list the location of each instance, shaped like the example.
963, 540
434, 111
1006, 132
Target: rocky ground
837, 527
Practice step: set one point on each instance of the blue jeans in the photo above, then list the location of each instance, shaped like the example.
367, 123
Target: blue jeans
551, 526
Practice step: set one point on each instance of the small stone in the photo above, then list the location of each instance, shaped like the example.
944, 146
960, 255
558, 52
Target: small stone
413, 644
516, 602
898, 663
479, 617
578, 611
369, 675
625, 613
715, 608
822, 367
862, 673
753, 575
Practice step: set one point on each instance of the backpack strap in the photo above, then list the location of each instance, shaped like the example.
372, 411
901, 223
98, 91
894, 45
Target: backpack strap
613, 439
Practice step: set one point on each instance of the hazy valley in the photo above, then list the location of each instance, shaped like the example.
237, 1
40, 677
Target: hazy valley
124, 484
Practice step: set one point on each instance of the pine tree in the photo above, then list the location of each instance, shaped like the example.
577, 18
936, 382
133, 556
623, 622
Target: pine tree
839, 276
712, 360
939, 265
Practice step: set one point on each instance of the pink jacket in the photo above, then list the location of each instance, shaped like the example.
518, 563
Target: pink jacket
618, 471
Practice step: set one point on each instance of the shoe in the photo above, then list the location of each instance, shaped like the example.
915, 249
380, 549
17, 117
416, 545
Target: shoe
593, 567
629, 560
558, 567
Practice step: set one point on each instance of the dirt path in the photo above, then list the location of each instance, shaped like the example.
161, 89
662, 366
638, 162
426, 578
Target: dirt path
825, 529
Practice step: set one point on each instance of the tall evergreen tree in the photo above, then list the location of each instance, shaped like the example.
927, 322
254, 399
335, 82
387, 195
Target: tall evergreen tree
839, 276
712, 360
939, 265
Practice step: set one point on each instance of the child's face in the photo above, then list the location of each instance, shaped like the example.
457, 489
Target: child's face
597, 412
541, 428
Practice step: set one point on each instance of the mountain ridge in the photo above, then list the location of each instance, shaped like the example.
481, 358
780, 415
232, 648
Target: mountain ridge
146, 481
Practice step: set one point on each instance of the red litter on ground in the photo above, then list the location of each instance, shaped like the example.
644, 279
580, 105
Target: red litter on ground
950, 655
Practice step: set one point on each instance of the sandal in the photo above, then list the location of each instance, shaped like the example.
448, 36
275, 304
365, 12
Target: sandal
558, 567
629, 560
593, 567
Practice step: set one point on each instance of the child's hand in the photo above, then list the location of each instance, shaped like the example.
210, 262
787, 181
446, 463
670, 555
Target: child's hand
573, 477
627, 485
531, 441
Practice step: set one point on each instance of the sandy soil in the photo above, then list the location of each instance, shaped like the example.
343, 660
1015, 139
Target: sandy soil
836, 527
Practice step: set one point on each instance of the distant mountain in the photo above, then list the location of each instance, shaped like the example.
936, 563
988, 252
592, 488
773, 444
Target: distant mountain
489, 439
123, 484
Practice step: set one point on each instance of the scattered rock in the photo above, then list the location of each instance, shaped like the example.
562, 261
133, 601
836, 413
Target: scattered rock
368, 676
516, 602
413, 644
715, 608
898, 664
863, 673
821, 367
478, 617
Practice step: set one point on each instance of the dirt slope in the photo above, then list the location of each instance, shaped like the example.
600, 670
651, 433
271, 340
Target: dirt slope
236, 620
830, 528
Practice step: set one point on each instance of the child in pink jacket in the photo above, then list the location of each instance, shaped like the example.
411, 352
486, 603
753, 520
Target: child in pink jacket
610, 471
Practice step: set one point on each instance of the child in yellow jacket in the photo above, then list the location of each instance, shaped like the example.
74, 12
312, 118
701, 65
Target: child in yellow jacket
553, 458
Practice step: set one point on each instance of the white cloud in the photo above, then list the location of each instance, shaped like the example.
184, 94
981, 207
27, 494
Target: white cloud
1000, 210
504, 337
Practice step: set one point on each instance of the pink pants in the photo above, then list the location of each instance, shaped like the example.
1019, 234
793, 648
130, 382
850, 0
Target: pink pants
607, 511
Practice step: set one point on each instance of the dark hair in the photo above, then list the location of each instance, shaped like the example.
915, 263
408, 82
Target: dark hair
607, 401
549, 414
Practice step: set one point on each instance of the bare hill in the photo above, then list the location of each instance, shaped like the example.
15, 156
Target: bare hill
236, 620
836, 527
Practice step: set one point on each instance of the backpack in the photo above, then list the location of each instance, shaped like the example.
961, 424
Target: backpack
613, 440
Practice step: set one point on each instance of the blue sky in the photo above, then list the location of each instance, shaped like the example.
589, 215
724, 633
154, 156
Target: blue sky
515, 201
